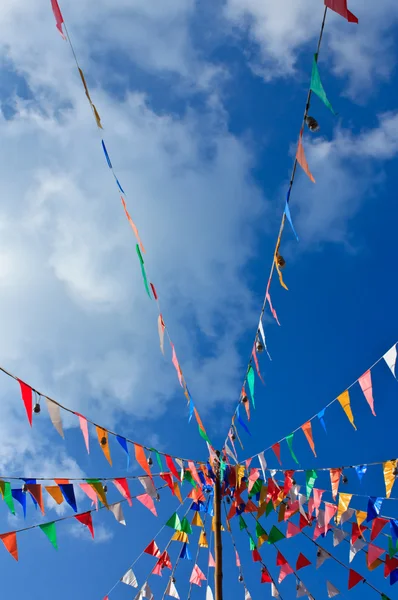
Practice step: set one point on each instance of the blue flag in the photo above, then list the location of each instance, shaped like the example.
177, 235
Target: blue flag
241, 421
361, 470
185, 552
289, 216
108, 160
69, 494
122, 441
394, 530
374, 508
20, 497
321, 419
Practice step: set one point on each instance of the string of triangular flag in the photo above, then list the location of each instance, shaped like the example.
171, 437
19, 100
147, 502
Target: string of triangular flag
140, 250
28, 392
366, 386
278, 262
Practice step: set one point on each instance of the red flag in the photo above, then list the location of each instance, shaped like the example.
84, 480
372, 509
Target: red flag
288, 482
280, 560
357, 532
277, 451
85, 519
152, 549
304, 522
10, 542
169, 480
172, 467
302, 562
58, 16
123, 487
390, 565
141, 459
265, 576
377, 526
37, 493
340, 7
256, 556
26, 392
353, 579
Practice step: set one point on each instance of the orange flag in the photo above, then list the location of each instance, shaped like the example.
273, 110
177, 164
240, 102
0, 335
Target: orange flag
389, 477
104, 443
302, 161
344, 400
307, 430
37, 493
177, 491
10, 542
335, 475
141, 459
55, 493
133, 227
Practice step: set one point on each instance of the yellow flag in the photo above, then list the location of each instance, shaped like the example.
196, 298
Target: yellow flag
344, 502
389, 477
361, 517
240, 473
104, 443
344, 400
197, 520
213, 526
283, 284
180, 536
261, 540
99, 490
203, 540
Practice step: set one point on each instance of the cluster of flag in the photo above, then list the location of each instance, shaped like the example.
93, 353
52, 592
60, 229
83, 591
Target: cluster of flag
140, 250
316, 87
364, 382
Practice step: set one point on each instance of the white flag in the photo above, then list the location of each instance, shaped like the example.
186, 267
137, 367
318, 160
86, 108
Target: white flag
261, 329
148, 486
263, 463
247, 595
117, 511
332, 590
172, 590
338, 536
130, 579
209, 593
274, 591
229, 452
145, 592
321, 556
55, 416
302, 590
347, 515
357, 547
391, 358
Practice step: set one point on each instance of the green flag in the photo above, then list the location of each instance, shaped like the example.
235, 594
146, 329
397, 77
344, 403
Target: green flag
242, 523
174, 522
186, 526
316, 84
289, 440
310, 477
252, 543
256, 489
188, 477
392, 548
143, 271
51, 533
8, 499
384, 597
157, 458
275, 535
260, 531
269, 508
203, 434
250, 381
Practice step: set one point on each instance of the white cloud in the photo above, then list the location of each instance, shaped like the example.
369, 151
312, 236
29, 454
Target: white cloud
101, 533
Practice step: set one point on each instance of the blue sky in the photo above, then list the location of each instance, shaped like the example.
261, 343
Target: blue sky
202, 107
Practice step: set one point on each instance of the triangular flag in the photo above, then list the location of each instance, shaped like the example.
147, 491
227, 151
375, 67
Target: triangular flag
316, 84
302, 562
99, 490
130, 579
344, 400
391, 358
185, 552
360, 471
321, 556
310, 478
338, 536
123, 487
389, 477
256, 556
355, 548
123, 443
69, 494
186, 526
117, 511
344, 502
307, 430
37, 493
302, 590
349, 513
86, 519
301, 159
274, 591
247, 595
145, 592
374, 552
292, 530
275, 535
340, 7
171, 590
20, 496
102, 435
374, 508
177, 491
84, 428
49, 530
330, 511
55, 416
284, 571
332, 590
212, 562
353, 579
197, 576
147, 501
265, 576
27, 398
366, 386
141, 459
203, 543
171, 466
289, 440
161, 329
180, 536
357, 531
377, 526
58, 16
250, 380
148, 486
390, 565
277, 451
10, 542
174, 522
55, 493
335, 475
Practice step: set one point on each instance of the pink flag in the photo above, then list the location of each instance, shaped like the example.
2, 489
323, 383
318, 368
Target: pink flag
374, 552
330, 511
301, 159
366, 385
87, 489
292, 530
58, 16
194, 472
254, 353
212, 562
286, 569
237, 559
176, 364
26, 392
272, 308
84, 428
197, 576
340, 7
317, 500
147, 501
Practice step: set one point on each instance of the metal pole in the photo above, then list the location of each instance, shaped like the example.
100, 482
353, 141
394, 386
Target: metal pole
218, 574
